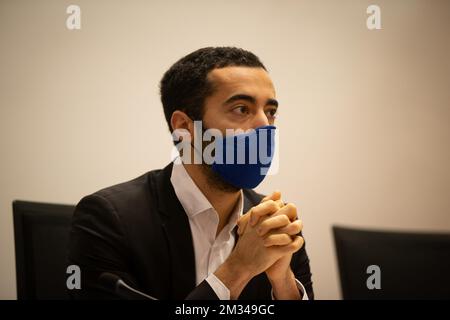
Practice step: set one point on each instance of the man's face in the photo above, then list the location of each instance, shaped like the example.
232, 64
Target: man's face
243, 98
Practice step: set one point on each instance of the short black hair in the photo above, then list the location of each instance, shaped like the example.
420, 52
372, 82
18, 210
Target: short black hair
185, 86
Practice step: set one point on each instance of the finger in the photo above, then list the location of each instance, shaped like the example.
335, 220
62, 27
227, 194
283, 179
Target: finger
290, 210
242, 223
280, 204
262, 209
294, 246
272, 223
276, 195
244, 219
292, 229
277, 240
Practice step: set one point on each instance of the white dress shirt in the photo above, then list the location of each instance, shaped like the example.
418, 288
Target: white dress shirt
210, 251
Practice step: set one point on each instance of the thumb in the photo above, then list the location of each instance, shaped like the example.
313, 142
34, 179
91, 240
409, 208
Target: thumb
276, 195
244, 219
242, 222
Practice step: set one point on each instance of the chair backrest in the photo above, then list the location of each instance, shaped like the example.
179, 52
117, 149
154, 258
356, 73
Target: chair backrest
41, 232
411, 265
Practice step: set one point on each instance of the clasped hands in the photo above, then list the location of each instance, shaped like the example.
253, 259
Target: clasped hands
268, 237
271, 229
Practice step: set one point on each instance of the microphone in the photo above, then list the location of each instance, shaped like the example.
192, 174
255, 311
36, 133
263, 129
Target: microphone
115, 284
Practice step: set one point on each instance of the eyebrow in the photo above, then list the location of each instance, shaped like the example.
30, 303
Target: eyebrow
246, 97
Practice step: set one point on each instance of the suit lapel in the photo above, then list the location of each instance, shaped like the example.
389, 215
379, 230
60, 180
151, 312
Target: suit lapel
259, 286
178, 234
248, 204
179, 238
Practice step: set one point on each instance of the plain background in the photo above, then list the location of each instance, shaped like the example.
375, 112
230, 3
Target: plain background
364, 118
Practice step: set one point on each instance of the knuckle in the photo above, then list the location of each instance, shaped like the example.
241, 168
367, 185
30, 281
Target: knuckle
264, 224
295, 228
263, 208
273, 205
280, 203
301, 242
257, 208
262, 204
288, 229
269, 240
292, 246
284, 219
291, 207
260, 231
297, 244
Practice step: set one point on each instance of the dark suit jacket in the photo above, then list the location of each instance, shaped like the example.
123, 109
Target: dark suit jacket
139, 231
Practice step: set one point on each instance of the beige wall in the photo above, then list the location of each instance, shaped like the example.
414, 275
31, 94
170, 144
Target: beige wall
365, 115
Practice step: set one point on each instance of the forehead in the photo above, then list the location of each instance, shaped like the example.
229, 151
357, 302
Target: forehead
254, 81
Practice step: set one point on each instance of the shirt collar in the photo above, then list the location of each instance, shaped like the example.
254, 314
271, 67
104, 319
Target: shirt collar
191, 197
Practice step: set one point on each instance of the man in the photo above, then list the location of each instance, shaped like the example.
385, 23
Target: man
181, 232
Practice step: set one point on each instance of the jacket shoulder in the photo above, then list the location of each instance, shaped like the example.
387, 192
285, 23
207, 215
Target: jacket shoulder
133, 195
127, 188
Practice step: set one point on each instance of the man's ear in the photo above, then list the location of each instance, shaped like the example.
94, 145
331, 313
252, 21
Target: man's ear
180, 120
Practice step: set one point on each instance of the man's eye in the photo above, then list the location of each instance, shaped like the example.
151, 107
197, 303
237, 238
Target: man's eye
241, 110
271, 113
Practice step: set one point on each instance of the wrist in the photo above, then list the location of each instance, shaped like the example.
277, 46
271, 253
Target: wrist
282, 277
234, 276
285, 287
241, 272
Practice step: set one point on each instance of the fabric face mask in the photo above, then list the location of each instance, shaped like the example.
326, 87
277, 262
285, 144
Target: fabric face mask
243, 160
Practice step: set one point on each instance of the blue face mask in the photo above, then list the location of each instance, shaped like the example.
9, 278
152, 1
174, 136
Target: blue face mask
243, 160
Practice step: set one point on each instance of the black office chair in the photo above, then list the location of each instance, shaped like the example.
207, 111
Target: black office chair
412, 265
41, 232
